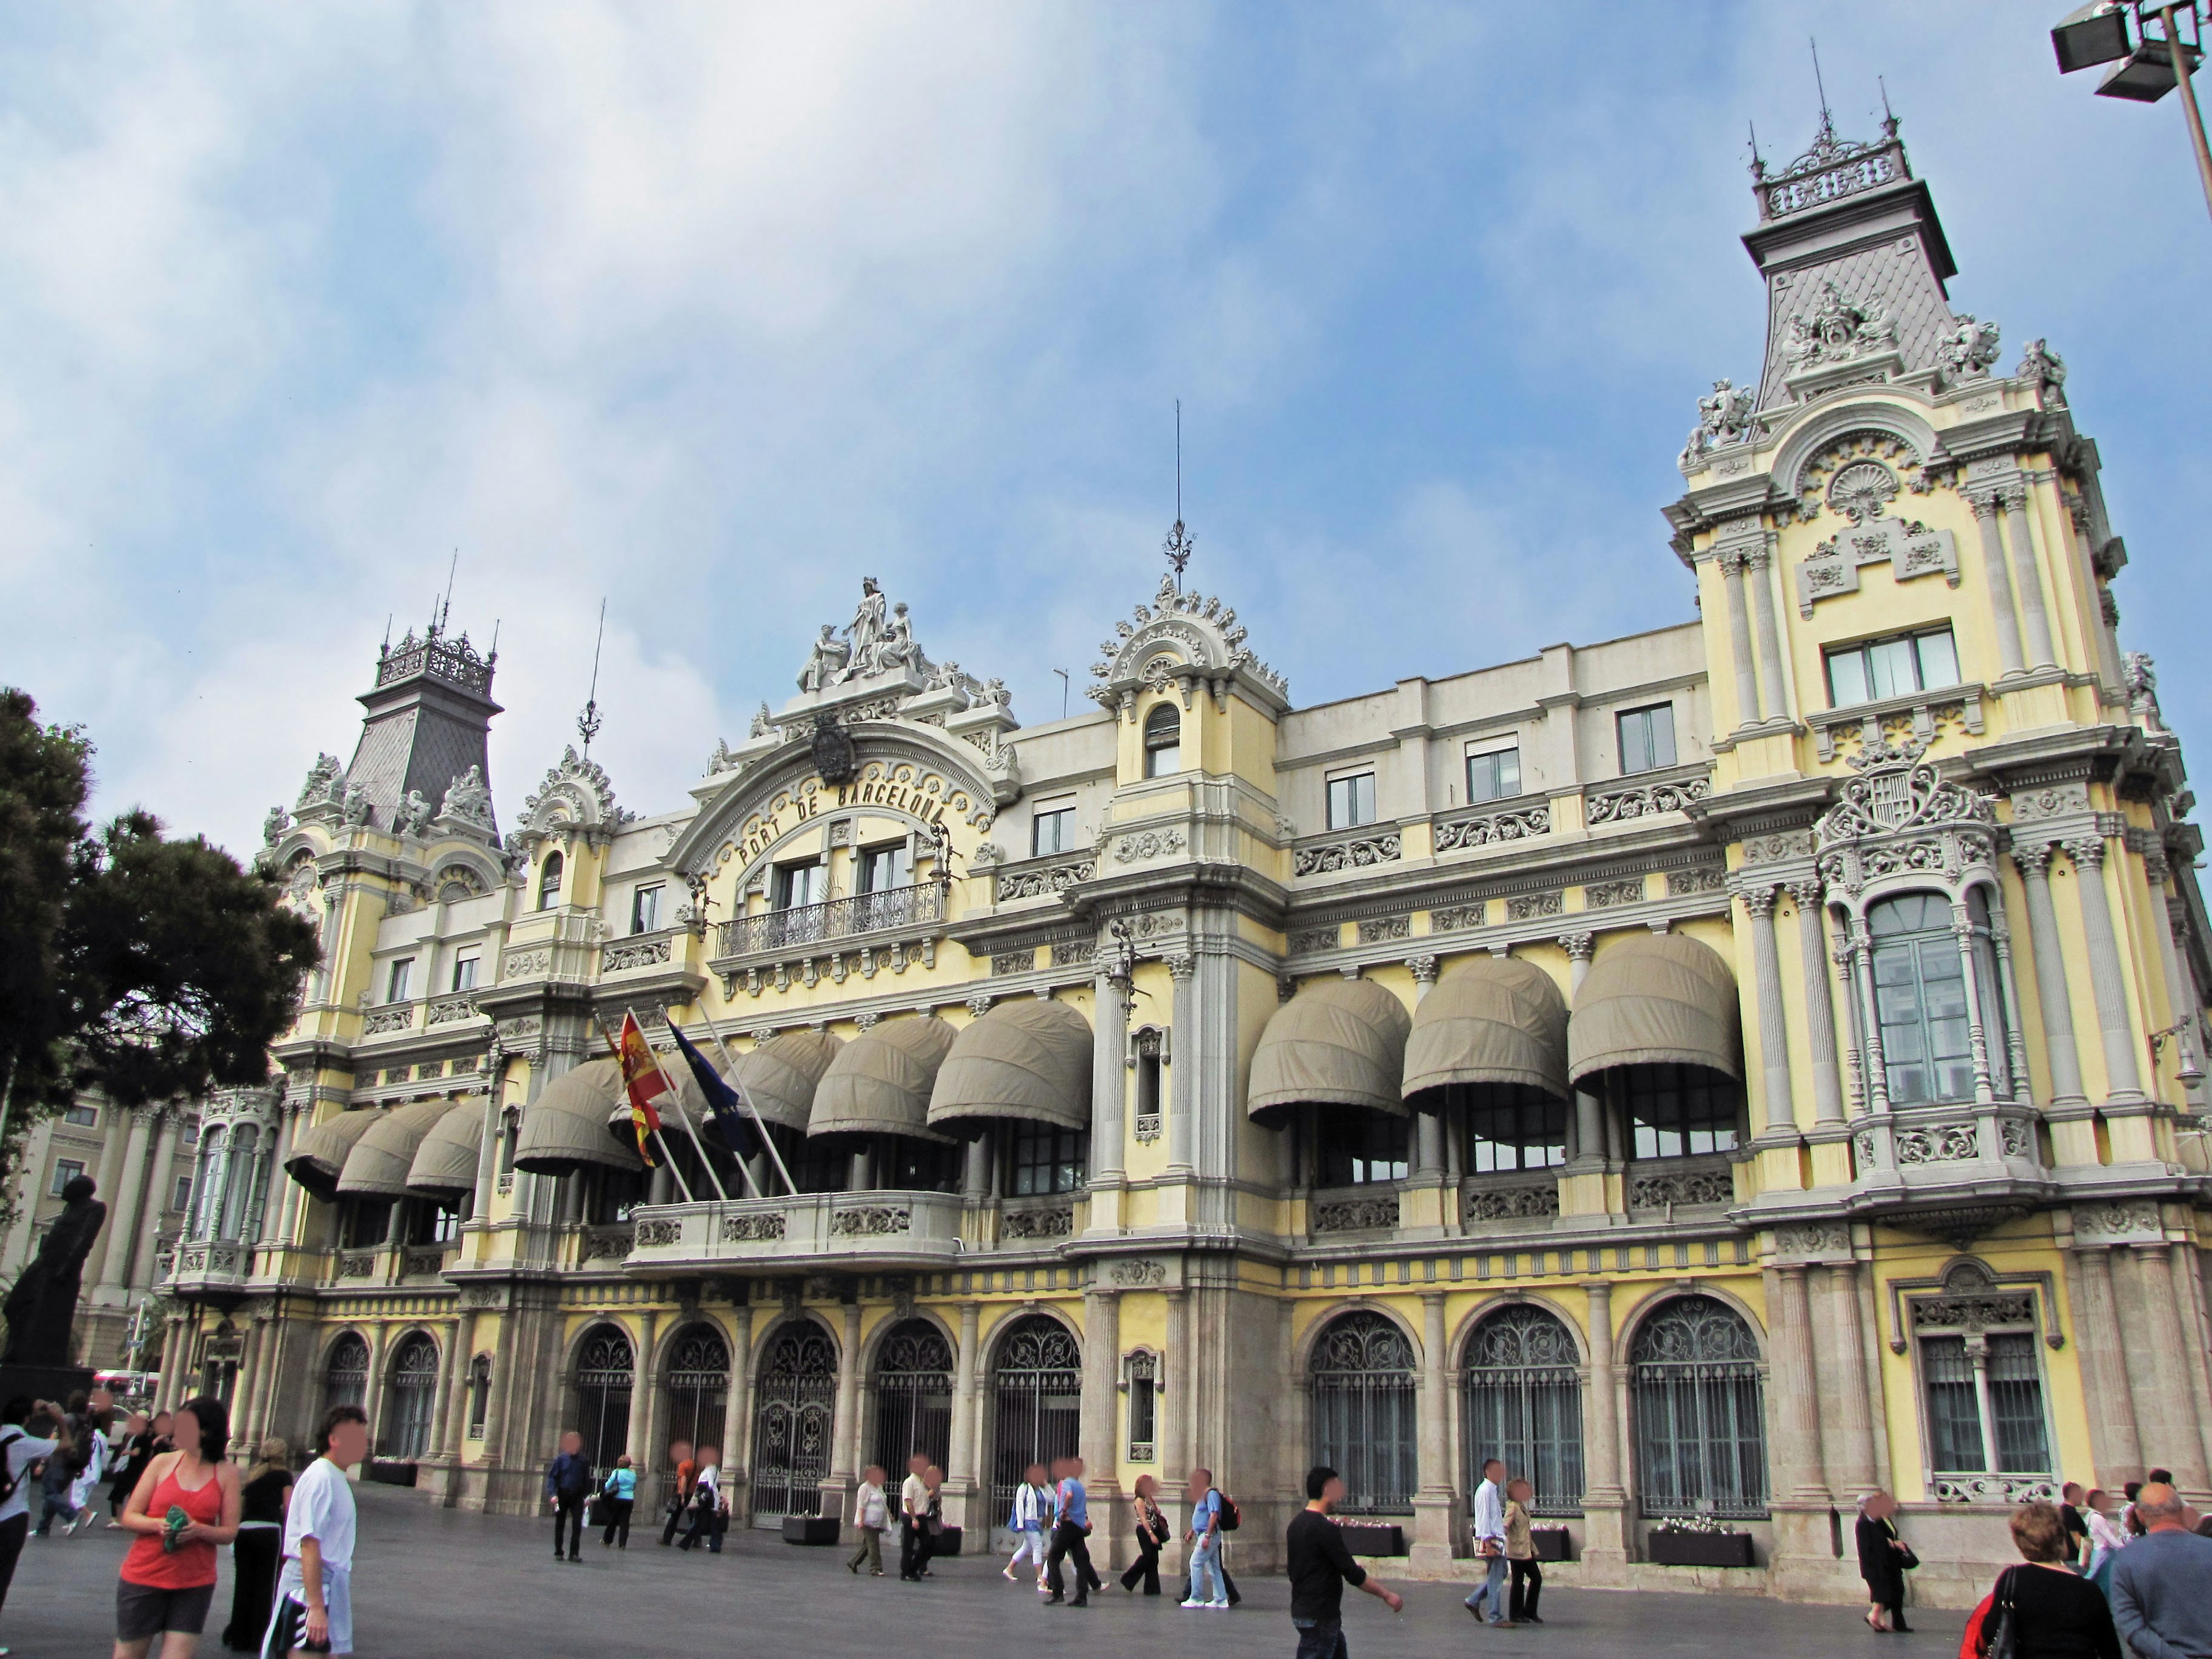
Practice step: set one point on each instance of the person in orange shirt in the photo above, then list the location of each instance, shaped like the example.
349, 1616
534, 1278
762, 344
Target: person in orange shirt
687, 1470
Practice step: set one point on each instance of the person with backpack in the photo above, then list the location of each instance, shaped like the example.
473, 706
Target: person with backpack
1032, 1509
1203, 1534
20, 1451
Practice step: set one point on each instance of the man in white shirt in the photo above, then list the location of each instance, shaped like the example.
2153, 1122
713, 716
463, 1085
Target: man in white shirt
1488, 1521
706, 1503
20, 1449
314, 1594
913, 1505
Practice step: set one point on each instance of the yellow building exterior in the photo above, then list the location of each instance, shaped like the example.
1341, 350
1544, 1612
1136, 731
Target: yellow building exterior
1723, 1072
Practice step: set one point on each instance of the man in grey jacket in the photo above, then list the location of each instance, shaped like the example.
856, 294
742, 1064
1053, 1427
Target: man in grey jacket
2160, 1602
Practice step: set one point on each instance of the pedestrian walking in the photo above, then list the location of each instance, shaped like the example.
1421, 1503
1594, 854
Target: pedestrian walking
914, 1506
2106, 1540
185, 1506
21, 1450
314, 1586
263, 1496
1320, 1565
2071, 1499
1521, 1553
127, 1460
56, 1478
1071, 1535
1204, 1536
2159, 1604
933, 1517
567, 1483
1489, 1524
871, 1519
618, 1498
1151, 1537
1883, 1558
1032, 1514
2054, 1613
706, 1508
679, 1499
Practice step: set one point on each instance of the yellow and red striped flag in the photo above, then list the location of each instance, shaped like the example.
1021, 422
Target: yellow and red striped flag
642, 1080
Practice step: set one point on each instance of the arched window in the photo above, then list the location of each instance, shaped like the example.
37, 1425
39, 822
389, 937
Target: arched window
1036, 1393
914, 1396
413, 1391
794, 1410
1364, 1424
1700, 1411
605, 1373
237, 1179
345, 1380
479, 1394
1524, 1405
698, 1386
1922, 996
549, 882
207, 1184
1163, 741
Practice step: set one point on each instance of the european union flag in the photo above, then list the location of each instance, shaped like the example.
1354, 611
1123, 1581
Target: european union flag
728, 1125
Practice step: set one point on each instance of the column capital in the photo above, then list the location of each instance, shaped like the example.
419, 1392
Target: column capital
1807, 892
1578, 945
1758, 899
2033, 860
2087, 851
1423, 969
1181, 967
1984, 502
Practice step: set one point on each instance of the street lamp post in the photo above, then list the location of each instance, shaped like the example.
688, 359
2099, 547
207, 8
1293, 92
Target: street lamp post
2146, 66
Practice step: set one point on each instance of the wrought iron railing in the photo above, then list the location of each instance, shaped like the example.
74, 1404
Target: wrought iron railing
451, 659
839, 918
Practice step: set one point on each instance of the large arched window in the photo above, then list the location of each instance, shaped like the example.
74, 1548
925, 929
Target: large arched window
605, 1372
1524, 1405
413, 1391
914, 1396
1037, 1397
549, 881
1364, 1422
207, 1184
794, 1408
1163, 741
244, 1164
698, 1386
1921, 998
1700, 1411
345, 1379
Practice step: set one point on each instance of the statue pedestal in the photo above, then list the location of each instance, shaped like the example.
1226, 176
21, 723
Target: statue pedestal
54, 1382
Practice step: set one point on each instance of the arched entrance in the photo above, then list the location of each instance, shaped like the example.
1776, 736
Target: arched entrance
1036, 1402
698, 1386
1365, 1420
796, 1404
914, 1397
1700, 1411
345, 1379
1524, 1405
605, 1373
414, 1393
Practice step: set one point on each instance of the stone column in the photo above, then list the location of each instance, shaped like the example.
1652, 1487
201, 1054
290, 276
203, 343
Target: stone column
1796, 1388
2028, 580
172, 1361
2123, 1076
243, 1384
453, 1419
1183, 1069
2189, 1323
1977, 1013
373, 1386
1108, 1080
129, 1210
1769, 635
2051, 994
2115, 1448
1820, 1002
1433, 1532
118, 1153
845, 1433
1605, 1501
2180, 994
645, 1393
2168, 1408
272, 1201
1993, 565
1589, 1113
147, 1234
1747, 681
1174, 1404
737, 1418
962, 1477
1098, 1430
1428, 1126
1781, 1118
1851, 1447
442, 1397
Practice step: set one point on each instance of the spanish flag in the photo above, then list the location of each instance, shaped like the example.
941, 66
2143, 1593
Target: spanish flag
643, 1080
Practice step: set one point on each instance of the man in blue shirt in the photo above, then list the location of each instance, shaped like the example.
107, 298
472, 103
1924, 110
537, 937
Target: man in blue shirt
2160, 1605
568, 1482
1205, 1538
1070, 1535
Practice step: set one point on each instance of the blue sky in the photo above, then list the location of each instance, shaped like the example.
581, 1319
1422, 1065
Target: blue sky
715, 310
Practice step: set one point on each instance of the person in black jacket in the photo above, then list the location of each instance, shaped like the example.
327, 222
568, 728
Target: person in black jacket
1881, 1562
1151, 1534
2056, 1613
1319, 1566
568, 1484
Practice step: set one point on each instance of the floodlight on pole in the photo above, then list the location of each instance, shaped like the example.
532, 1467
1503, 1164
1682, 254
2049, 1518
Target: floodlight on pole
2146, 65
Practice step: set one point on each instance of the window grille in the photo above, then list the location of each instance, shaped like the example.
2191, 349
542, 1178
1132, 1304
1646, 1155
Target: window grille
1366, 1423
914, 1397
414, 1392
1524, 1405
1700, 1415
1144, 1405
479, 1394
345, 1380
791, 1420
698, 1386
1037, 1397
605, 1372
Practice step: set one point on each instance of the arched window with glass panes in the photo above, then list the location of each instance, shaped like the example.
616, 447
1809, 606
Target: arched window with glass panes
1935, 967
1524, 1405
1364, 1419
1699, 1412
1163, 741
345, 1376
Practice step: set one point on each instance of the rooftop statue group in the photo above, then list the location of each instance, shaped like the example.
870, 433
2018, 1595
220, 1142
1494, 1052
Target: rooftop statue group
873, 643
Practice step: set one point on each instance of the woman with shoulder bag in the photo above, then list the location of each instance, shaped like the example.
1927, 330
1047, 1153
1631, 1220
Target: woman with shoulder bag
2044, 1609
1883, 1558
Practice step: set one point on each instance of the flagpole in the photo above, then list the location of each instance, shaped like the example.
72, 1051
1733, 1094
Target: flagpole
677, 1100
614, 1044
745, 1101
752, 1186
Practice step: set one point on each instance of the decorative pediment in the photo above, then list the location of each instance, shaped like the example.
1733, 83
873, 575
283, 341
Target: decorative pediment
1187, 641
576, 796
1898, 817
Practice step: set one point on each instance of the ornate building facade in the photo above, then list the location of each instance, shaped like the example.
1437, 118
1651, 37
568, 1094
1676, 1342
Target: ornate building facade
1772, 1071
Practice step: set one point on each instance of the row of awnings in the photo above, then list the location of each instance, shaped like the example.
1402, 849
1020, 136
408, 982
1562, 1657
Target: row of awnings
1647, 999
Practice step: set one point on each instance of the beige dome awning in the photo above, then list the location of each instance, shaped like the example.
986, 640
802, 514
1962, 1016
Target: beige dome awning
1657, 999
780, 1077
1025, 1059
565, 1127
1341, 1043
319, 1154
378, 1165
445, 1165
880, 1082
1494, 1019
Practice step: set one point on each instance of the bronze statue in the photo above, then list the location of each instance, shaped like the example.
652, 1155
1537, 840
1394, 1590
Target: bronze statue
42, 1306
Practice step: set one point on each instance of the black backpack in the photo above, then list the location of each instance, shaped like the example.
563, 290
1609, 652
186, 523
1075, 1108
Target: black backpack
1231, 1517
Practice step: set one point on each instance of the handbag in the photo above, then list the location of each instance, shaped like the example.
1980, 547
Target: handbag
1906, 1558
2001, 1629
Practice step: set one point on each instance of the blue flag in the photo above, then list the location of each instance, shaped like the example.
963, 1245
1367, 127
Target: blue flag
728, 1123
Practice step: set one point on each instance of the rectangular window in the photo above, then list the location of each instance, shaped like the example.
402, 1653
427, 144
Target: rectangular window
66, 1170
1647, 738
1052, 830
1894, 667
1352, 801
402, 971
182, 1198
465, 970
798, 885
883, 868
1516, 1128
190, 1134
1959, 1441
83, 1117
645, 910
1047, 1159
1493, 776
1681, 1111
1143, 1394
1357, 1146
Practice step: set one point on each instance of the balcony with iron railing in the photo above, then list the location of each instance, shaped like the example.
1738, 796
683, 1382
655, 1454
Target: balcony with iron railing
886, 1229
805, 927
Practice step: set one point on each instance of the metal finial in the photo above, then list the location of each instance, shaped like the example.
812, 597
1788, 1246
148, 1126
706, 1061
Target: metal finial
1888, 116
588, 722
1827, 121
1757, 166
446, 608
1178, 547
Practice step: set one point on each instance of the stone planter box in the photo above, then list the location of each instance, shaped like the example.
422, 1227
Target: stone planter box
1364, 1540
1701, 1549
1551, 1543
386, 1473
809, 1528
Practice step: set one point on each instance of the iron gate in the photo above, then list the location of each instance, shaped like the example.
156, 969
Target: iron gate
1364, 1414
1524, 1406
414, 1392
914, 1397
698, 1388
605, 1374
346, 1381
1036, 1405
797, 1400
1700, 1412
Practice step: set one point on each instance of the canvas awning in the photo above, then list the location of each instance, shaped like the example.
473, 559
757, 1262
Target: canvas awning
319, 1153
1655, 999
378, 1165
780, 1077
1493, 1020
880, 1082
565, 1127
1025, 1059
1341, 1042
445, 1165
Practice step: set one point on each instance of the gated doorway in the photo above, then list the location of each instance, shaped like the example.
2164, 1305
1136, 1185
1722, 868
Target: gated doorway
1036, 1402
913, 1397
413, 1391
605, 1372
698, 1389
791, 1421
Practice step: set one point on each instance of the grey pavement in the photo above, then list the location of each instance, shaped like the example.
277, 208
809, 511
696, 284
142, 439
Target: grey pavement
432, 1583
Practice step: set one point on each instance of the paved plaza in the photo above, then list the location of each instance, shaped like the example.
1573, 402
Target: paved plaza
433, 1584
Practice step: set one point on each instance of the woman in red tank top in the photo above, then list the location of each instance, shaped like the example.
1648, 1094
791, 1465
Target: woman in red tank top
168, 1576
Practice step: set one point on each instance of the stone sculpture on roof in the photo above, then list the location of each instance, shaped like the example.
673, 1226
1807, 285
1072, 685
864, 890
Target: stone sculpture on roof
468, 799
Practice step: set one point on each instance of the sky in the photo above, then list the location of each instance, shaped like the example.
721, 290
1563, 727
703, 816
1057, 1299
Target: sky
712, 311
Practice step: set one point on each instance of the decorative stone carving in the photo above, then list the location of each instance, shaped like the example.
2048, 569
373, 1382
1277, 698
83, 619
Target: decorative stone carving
765, 1228
608, 1244
1993, 1309
1014, 962
1491, 829
1813, 1238
354, 808
1356, 1215
1657, 1192
1149, 844
1940, 1143
1778, 847
1457, 918
1724, 417
2118, 1220
1605, 895
1052, 880
446, 1010
2006, 1489
1968, 349
1861, 490
357, 1264
1897, 817
385, 1020
872, 1220
1530, 907
1131, 1273
2057, 800
2143, 689
1148, 1126
634, 953
1205, 638
2042, 366
1618, 805
273, 825
326, 783
526, 964
2018, 1138
576, 795
1385, 928
1305, 941
1705, 879
1073, 952
1357, 853
1057, 1222
1513, 1203
1837, 330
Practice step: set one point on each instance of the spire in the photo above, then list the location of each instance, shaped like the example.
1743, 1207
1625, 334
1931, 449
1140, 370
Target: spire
1178, 547
428, 720
588, 722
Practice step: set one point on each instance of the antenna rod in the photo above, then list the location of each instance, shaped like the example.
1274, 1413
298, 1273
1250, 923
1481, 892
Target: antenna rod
446, 610
588, 721
1826, 119
1178, 460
